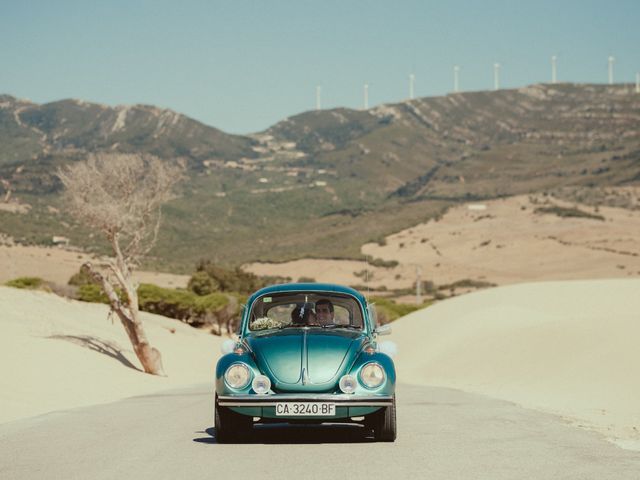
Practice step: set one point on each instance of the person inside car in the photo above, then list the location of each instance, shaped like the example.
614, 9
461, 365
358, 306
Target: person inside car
303, 315
324, 312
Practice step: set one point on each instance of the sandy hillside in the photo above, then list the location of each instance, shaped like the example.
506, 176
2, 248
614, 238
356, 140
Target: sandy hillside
569, 348
58, 354
58, 265
502, 242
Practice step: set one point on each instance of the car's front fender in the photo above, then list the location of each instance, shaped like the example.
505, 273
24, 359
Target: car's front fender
388, 387
224, 363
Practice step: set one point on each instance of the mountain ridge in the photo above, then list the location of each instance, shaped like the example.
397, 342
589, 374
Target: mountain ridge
324, 182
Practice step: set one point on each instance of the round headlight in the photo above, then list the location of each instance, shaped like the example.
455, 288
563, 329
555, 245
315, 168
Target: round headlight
372, 375
261, 384
348, 384
237, 375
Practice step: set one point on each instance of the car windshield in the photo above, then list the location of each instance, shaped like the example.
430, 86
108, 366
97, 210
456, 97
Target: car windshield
305, 309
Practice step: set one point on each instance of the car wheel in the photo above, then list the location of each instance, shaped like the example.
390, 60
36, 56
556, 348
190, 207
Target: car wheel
231, 427
383, 423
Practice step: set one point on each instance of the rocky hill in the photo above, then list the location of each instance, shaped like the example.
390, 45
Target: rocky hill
28, 130
33, 136
462, 143
322, 183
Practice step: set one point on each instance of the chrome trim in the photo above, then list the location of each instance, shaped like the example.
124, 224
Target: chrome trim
273, 404
305, 357
349, 400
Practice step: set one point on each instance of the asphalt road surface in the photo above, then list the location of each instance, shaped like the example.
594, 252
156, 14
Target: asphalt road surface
442, 434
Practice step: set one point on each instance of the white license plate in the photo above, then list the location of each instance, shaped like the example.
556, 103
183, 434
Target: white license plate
306, 409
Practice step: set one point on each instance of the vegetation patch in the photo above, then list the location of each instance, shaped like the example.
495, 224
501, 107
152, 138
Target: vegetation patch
567, 212
92, 293
466, 283
379, 262
388, 310
306, 280
210, 278
365, 274
29, 283
182, 305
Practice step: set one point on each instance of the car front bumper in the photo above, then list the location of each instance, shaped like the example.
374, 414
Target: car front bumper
338, 400
265, 405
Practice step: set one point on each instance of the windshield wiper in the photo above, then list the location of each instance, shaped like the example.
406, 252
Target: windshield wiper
333, 325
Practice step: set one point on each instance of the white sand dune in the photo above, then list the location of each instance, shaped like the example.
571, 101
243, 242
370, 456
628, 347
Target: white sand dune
570, 348
58, 354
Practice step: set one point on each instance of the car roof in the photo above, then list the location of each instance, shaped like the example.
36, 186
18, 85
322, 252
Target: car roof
309, 287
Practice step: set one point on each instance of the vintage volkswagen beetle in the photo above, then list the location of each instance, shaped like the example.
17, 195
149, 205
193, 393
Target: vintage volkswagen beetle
307, 353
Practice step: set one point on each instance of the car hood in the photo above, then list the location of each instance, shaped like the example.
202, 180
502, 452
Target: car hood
305, 359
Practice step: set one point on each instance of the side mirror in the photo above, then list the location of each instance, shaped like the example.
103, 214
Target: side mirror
373, 313
227, 346
382, 330
388, 347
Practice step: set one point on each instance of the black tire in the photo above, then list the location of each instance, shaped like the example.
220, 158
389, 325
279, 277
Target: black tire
231, 427
383, 423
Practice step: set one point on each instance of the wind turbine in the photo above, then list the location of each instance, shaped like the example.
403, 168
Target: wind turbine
611, 62
554, 69
318, 92
366, 96
456, 72
496, 76
418, 285
412, 80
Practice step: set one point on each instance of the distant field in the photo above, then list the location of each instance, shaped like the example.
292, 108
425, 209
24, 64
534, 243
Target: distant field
501, 241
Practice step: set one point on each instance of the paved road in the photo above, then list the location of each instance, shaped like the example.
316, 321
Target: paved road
442, 434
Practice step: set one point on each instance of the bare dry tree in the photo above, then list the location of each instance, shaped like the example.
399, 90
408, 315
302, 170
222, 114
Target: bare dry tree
7, 188
120, 195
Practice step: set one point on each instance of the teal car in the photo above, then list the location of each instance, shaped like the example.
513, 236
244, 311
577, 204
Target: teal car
307, 353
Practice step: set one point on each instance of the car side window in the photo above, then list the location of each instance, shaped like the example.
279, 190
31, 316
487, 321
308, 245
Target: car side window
281, 313
342, 316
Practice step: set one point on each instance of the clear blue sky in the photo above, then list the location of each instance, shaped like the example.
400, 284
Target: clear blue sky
242, 66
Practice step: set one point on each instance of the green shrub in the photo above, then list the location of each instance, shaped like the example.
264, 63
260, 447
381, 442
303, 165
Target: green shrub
183, 304
197, 310
568, 212
201, 283
91, 292
378, 262
172, 303
388, 310
467, 283
29, 283
210, 304
83, 277
365, 274
381, 241
229, 280
274, 280
306, 280
427, 287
